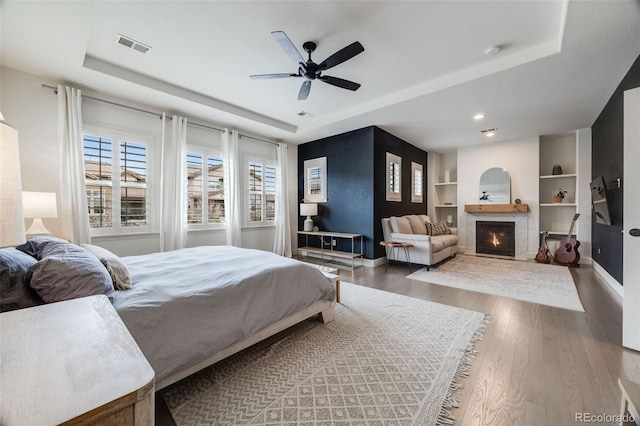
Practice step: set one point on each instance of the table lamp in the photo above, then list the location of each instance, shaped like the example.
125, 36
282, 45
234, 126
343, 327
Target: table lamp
36, 206
308, 210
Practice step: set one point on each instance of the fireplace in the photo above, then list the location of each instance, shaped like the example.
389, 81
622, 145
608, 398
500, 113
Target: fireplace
497, 238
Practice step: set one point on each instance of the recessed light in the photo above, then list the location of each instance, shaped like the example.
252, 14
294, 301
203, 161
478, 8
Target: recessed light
492, 50
489, 132
479, 116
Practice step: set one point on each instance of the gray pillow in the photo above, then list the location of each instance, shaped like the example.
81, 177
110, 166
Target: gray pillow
68, 271
35, 246
117, 270
15, 275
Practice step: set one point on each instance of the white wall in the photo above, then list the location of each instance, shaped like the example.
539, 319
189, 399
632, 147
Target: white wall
32, 110
520, 159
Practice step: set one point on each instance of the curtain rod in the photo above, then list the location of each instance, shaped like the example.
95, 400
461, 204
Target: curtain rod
259, 140
55, 89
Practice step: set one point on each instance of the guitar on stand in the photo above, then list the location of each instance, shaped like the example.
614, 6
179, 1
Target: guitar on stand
567, 253
543, 255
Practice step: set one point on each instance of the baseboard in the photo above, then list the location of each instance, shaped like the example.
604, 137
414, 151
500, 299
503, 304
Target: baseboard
612, 282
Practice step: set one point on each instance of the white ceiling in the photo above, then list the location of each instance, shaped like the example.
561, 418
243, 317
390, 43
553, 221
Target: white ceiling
423, 72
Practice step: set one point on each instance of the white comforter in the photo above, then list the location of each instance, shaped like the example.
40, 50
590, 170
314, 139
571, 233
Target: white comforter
186, 305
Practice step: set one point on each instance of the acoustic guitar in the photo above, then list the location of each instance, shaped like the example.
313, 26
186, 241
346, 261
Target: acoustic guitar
543, 255
567, 253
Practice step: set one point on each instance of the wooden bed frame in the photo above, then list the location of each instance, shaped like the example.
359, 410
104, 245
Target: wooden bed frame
323, 308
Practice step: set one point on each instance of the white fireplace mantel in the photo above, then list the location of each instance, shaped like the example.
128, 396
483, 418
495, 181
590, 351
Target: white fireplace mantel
521, 231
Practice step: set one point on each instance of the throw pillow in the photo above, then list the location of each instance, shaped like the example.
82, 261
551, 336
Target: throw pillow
15, 275
400, 225
417, 225
68, 271
35, 246
434, 229
117, 270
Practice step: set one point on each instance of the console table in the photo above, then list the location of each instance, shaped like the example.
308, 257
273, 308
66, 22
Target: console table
72, 362
330, 253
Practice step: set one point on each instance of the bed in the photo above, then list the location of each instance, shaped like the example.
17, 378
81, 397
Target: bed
190, 308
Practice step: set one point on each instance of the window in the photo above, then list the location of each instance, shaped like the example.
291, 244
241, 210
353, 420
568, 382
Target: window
416, 182
261, 193
123, 194
315, 180
205, 189
394, 178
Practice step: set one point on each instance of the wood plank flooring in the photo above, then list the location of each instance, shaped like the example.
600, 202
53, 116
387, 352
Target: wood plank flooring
537, 365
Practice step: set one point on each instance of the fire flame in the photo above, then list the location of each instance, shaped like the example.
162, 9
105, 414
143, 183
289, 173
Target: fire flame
495, 241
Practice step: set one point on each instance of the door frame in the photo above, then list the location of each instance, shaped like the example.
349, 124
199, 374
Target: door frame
631, 219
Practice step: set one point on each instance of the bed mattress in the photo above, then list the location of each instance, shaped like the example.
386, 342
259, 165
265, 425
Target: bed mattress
188, 304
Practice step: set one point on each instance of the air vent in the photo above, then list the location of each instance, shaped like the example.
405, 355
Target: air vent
132, 44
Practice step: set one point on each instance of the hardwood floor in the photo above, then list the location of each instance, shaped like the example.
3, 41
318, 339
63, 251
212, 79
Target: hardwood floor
536, 365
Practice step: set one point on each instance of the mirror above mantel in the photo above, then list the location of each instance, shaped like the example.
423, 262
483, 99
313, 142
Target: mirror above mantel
495, 187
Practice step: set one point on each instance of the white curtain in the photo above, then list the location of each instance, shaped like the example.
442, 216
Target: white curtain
282, 242
232, 193
173, 222
74, 216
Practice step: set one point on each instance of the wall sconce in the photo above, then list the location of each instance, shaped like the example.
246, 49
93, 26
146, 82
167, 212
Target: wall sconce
11, 218
38, 205
308, 210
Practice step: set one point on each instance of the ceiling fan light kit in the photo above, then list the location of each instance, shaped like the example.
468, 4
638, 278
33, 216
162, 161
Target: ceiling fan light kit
309, 70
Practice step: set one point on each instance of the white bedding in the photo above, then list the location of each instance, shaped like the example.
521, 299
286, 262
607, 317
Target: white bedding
188, 304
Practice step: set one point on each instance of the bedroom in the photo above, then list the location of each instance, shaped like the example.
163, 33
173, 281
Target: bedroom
31, 108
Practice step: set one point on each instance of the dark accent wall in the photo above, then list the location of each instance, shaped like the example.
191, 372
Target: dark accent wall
349, 206
386, 142
356, 196
607, 161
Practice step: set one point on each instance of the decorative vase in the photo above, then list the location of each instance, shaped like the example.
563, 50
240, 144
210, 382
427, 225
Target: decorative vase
557, 199
447, 176
557, 170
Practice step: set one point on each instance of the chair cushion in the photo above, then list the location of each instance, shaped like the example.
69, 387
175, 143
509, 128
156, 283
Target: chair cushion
417, 224
447, 240
400, 225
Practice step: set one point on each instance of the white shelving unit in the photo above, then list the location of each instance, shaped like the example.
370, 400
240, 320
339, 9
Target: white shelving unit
566, 151
444, 199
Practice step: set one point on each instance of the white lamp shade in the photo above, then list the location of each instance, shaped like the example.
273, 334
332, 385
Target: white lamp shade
39, 204
11, 218
308, 209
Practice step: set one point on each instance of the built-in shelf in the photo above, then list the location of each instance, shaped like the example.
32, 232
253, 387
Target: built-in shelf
555, 233
443, 206
572, 175
558, 205
445, 183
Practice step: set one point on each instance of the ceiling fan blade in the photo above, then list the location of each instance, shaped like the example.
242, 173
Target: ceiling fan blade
304, 90
288, 46
269, 76
339, 82
342, 55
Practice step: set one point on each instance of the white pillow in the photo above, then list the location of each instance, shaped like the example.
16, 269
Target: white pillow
118, 271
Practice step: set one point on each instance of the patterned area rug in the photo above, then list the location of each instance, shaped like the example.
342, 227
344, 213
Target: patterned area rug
550, 285
386, 359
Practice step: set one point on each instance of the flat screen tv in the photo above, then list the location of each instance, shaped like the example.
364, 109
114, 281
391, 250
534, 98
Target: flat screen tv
599, 201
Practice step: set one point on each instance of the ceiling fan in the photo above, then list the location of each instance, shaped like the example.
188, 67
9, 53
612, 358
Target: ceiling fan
309, 70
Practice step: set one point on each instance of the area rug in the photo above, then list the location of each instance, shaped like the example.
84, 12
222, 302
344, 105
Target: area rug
545, 284
385, 359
